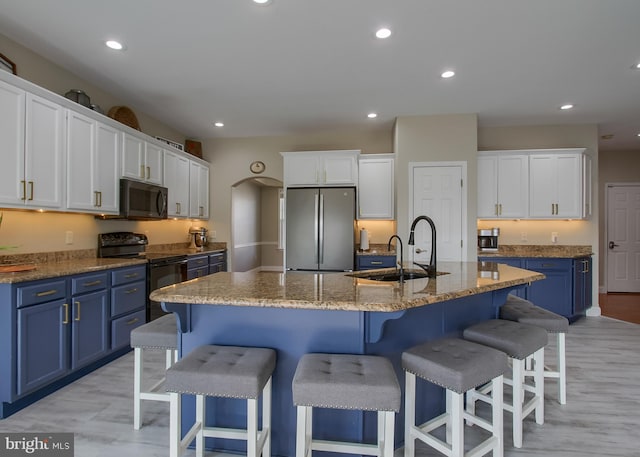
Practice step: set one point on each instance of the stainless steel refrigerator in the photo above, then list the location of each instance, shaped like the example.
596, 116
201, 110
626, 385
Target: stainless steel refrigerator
320, 232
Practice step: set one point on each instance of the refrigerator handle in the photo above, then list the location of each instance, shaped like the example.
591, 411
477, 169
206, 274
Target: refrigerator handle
321, 231
315, 225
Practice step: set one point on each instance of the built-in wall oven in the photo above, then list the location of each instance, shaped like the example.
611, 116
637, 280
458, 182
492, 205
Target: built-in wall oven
163, 269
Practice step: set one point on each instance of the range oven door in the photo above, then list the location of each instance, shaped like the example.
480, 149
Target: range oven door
164, 273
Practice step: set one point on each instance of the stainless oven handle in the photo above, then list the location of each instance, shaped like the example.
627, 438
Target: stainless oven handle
167, 262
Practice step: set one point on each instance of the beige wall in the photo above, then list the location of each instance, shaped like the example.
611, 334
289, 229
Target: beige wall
615, 167
230, 159
446, 138
45, 232
246, 216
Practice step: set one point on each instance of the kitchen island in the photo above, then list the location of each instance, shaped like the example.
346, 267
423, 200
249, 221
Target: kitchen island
297, 313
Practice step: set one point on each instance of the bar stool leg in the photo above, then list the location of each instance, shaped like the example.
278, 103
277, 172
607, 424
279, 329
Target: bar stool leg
562, 369
252, 427
201, 413
518, 398
409, 414
138, 365
538, 376
266, 418
302, 431
456, 423
175, 432
497, 414
389, 431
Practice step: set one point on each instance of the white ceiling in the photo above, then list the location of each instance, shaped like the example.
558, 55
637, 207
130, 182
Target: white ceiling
300, 66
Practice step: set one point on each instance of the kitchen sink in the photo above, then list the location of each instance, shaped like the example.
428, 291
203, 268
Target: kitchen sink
390, 276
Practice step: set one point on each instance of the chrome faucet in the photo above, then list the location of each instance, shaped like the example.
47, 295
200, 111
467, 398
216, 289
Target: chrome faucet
401, 256
431, 267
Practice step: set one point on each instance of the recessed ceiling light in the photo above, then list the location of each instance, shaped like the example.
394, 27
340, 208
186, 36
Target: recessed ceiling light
637, 66
448, 74
638, 134
262, 2
608, 136
219, 124
372, 115
567, 106
383, 33
113, 44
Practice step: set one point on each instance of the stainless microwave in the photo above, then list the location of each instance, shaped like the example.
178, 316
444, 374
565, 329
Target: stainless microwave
142, 201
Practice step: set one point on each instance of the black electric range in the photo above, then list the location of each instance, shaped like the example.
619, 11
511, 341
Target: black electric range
163, 269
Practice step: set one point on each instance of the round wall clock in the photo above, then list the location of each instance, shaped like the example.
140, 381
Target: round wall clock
257, 167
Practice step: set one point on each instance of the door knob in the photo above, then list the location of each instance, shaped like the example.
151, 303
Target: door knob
418, 250
613, 245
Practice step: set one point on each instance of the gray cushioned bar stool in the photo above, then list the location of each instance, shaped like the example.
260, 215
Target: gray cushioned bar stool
518, 341
520, 310
458, 366
345, 381
222, 371
159, 334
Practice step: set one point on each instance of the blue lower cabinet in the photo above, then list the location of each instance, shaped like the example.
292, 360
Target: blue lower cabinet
371, 262
566, 289
53, 331
121, 328
42, 344
90, 328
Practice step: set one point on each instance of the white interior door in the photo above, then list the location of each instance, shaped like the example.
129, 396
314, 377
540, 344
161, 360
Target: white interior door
623, 238
438, 193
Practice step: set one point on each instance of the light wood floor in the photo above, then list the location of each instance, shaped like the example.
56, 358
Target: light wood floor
601, 417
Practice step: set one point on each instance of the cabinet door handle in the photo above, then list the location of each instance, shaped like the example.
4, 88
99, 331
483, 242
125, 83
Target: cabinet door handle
30, 190
47, 293
131, 291
78, 313
24, 190
177, 208
95, 199
92, 283
500, 209
100, 199
148, 172
132, 321
66, 313
142, 171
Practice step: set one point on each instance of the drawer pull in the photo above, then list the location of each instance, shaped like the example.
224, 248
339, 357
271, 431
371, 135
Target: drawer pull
547, 265
66, 313
133, 321
92, 283
131, 291
47, 292
131, 275
376, 262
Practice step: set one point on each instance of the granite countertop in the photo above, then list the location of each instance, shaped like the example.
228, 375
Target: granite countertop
342, 291
550, 251
67, 267
377, 249
169, 250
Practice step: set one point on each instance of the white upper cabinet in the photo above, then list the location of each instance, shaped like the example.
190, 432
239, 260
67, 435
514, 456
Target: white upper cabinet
503, 185
534, 184
556, 185
176, 177
12, 127
198, 191
141, 160
32, 132
93, 153
376, 186
321, 168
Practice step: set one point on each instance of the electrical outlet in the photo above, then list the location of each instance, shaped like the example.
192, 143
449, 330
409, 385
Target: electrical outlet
68, 237
554, 237
523, 236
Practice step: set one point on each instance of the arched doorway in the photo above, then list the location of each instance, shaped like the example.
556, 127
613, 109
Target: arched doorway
256, 225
